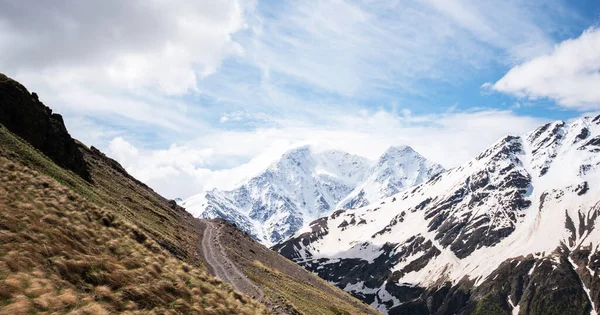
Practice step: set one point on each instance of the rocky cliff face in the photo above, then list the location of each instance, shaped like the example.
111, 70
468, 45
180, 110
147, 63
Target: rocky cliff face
513, 230
24, 115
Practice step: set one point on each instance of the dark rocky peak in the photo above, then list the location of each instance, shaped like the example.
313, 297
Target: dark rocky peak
581, 127
543, 129
582, 135
501, 180
24, 115
591, 144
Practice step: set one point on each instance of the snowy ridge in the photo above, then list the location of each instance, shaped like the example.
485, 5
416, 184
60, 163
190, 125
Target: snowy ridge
305, 184
530, 196
398, 168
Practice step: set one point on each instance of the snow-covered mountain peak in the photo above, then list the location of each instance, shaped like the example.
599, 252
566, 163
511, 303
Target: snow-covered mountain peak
306, 183
399, 167
397, 151
402, 162
308, 161
294, 157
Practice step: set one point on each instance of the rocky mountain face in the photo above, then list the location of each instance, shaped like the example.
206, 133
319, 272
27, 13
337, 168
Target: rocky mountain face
305, 184
512, 231
24, 114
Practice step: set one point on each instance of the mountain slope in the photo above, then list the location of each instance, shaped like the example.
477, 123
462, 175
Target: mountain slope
113, 245
62, 250
305, 184
283, 282
523, 212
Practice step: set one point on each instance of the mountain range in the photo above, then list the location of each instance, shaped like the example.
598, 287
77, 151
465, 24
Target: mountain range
305, 184
512, 231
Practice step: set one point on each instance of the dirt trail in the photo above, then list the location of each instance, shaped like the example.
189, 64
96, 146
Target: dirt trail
222, 266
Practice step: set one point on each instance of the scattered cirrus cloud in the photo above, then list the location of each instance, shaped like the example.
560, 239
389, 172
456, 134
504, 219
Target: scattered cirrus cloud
357, 48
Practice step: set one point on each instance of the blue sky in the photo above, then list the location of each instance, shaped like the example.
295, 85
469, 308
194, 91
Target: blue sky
200, 94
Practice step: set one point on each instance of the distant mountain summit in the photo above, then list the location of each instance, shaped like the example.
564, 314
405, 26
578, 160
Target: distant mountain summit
399, 167
305, 184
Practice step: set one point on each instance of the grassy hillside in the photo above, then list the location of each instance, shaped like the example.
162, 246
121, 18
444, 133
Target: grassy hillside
67, 247
282, 280
110, 185
116, 246
110, 244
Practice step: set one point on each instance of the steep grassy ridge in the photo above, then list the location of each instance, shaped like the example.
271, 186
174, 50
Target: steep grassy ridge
62, 253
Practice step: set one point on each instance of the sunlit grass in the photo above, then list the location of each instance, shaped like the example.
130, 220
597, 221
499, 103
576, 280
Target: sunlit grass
70, 247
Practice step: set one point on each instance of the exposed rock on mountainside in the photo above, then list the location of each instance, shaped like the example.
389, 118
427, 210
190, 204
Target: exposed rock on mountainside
24, 114
524, 213
305, 184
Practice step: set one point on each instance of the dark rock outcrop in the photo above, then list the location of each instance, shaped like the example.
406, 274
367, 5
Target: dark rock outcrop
24, 115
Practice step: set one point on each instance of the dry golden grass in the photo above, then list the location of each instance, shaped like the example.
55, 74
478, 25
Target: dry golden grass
127, 199
60, 253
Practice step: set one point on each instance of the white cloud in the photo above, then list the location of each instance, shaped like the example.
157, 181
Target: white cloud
450, 139
173, 171
570, 74
237, 116
135, 44
123, 151
131, 59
